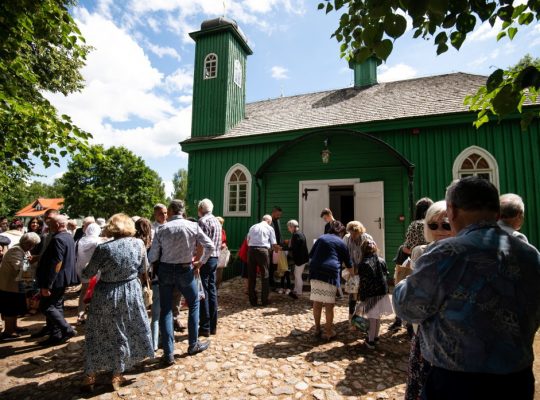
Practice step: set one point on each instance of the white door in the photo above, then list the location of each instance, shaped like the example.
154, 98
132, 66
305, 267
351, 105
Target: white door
369, 210
313, 198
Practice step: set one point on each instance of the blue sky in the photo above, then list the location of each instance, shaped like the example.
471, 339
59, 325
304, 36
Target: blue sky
139, 76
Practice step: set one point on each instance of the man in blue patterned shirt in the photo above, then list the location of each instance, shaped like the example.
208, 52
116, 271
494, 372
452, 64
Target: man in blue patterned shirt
476, 297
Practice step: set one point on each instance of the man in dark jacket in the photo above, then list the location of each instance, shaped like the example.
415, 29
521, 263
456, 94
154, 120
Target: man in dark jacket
55, 272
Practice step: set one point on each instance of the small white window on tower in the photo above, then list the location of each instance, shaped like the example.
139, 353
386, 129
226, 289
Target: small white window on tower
210, 66
238, 73
237, 192
476, 161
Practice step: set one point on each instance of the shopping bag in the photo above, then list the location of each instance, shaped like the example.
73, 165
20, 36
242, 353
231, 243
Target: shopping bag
243, 252
223, 259
90, 291
360, 322
282, 263
352, 284
202, 295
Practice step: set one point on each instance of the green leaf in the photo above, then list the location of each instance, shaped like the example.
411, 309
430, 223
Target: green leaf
505, 13
512, 32
465, 23
494, 80
383, 49
456, 39
395, 25
526, 18
372, 34
506, 100
500, 35
362, 54
441, 48
329, 7
320, 6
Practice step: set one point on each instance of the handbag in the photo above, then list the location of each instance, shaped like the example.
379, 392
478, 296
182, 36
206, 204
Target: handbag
402, 271
147, 292
223, 259
90, 291
352, 285
282, 263
360, 322
243, 251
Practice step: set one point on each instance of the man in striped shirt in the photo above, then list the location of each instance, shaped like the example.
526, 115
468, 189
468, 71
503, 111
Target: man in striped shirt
210, 225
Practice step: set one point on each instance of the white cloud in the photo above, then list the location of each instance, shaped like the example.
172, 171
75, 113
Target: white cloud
185, 99
121, 84
478, 61
397, 72
484, 32
163, 51
180, 80
279, 72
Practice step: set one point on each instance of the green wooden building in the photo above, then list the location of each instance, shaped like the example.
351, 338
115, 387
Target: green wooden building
368, 152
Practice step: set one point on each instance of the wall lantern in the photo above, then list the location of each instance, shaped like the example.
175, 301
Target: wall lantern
325, 153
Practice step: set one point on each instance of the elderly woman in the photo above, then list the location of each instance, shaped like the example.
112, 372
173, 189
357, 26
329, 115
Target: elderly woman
85, 248
355, 237
117, 330
298, 249
12, 301
326, 257
436, 227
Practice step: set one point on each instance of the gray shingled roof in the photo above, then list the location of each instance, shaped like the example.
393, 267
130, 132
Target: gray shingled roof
434, 95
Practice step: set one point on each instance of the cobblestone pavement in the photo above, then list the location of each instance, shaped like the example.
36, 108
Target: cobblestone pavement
258, 353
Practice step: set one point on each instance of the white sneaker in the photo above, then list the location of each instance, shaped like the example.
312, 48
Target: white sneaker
287, 291
280, 291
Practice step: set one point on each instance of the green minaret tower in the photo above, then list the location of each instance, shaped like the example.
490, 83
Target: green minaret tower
219, 90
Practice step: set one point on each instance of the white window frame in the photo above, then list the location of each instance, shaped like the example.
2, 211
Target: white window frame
226, 199
493, 170
206, 61
237, 75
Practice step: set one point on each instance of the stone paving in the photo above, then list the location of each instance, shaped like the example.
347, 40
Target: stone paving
258, 353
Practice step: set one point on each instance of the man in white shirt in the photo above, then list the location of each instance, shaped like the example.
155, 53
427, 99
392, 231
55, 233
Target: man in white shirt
261, 238
512, 215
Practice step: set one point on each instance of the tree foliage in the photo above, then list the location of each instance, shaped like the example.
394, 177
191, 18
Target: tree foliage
370, 27
180, 184
41, 50
105, 182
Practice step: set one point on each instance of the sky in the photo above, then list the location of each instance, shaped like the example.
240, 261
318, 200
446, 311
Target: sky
139, 76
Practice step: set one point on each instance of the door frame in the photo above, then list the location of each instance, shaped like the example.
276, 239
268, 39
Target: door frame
329, 182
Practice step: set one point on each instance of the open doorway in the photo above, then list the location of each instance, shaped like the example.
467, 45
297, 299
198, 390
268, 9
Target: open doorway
342, 203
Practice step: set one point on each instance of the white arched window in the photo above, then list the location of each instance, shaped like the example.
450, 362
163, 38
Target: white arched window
476, 161
210, 66
237, 192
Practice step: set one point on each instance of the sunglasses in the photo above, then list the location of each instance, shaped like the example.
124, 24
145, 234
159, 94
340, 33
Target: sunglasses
434, 226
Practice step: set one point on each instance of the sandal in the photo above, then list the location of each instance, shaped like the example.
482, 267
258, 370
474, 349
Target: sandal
117, 381
88, 383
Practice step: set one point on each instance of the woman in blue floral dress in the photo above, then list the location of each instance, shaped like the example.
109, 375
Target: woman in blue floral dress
117, 331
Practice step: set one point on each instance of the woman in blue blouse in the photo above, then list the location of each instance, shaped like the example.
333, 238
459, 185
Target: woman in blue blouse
326, 257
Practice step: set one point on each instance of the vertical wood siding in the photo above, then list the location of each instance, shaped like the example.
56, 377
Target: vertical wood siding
218, 103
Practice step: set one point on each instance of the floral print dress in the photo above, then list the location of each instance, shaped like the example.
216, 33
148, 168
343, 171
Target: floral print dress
117, 331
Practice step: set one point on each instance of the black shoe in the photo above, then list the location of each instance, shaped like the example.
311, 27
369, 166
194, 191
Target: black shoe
293, 295
204, 333
42, 332
199, 347
168, 360
212, 333
69, 335
52, 341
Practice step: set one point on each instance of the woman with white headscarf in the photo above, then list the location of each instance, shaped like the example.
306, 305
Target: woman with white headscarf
85, 248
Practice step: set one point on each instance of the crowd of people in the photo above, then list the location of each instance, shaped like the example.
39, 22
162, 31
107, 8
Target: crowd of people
467, 284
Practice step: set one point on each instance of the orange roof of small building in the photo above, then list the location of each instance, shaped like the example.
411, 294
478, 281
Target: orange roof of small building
38, 207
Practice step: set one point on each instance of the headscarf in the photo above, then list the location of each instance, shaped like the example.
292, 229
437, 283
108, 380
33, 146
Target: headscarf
86, 246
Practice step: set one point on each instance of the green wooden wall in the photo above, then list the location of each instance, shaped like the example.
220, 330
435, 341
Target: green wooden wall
432, 151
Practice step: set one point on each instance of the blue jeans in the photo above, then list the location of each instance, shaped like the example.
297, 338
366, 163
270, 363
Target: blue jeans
209, 306
171, 276
155, 314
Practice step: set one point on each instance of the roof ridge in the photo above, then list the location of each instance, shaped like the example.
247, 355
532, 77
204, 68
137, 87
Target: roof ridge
366, 87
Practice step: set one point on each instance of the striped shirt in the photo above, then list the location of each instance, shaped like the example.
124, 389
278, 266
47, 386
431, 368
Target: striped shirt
212, 228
